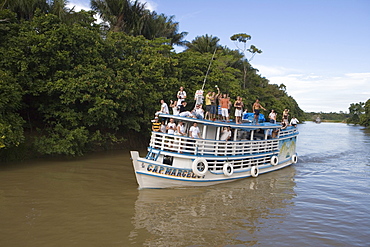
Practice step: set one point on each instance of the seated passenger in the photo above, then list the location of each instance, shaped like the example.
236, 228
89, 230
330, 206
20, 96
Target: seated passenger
198, 112
225, 134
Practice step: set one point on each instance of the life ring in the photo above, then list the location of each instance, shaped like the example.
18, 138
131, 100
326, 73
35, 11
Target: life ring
255, 171
199, 166
294, 158
228, 169
274, 160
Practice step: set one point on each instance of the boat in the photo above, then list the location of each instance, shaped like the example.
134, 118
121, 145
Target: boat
180, 161
318, 120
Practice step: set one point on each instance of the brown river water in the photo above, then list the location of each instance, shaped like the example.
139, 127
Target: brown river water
323, 200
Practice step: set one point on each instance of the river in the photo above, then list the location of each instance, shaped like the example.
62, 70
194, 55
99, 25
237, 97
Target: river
323, 200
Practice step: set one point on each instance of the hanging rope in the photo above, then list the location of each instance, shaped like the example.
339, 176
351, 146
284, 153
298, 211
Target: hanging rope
209, 66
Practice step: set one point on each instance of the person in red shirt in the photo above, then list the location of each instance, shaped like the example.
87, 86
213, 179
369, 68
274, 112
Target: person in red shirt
225, 107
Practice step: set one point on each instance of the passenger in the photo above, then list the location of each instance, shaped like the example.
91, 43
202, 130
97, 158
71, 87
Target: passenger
180, 130
181, 96
218, 98
238, 110
156, 125
163, 127
256, 109
182, 107
213, 107
208, 105
171, 127
164, 108
225, 108
275, 133
183, 111
286, 116
283, 124
199, 97
272, 117
198, 112
194, 131
175, 107
294, 121
225, 134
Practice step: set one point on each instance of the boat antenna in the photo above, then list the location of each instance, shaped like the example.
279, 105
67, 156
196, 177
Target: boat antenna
209, 66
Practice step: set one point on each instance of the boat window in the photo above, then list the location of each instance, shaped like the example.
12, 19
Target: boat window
168, 160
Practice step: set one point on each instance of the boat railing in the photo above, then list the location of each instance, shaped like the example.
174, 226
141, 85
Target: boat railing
287, 132
182, 144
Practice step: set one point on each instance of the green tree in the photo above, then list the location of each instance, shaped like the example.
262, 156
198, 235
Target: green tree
355, 112
244, 38
11, 123
204, 44
365, 118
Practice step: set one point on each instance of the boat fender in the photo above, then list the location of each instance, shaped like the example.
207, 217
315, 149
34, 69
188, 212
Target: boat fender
274, 160
199, 166
294, 158
228, 169
254, 171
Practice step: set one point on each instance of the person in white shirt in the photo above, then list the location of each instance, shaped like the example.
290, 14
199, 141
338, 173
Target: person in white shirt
199, 97
194, 131
164, 108
294, 121
175, 108
272, 117
225, 134
198, 112
171, 127
180, 129
181, 96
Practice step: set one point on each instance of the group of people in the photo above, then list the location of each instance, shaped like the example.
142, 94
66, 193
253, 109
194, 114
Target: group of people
285, 119
218, 106
175, 129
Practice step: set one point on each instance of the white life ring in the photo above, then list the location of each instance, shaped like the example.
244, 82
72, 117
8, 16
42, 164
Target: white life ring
199, 166
255, 171
228, 169
274, 160
294, 158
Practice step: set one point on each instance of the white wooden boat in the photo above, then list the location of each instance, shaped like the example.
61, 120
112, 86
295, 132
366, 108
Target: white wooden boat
181, 161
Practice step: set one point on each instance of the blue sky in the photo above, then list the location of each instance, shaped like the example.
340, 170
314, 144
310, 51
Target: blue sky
320, 49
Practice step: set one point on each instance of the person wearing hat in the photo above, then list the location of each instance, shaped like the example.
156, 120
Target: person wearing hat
156, 125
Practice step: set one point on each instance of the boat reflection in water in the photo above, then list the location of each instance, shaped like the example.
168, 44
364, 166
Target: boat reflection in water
231, 213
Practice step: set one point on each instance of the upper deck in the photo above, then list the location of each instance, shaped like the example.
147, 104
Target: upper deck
247, 138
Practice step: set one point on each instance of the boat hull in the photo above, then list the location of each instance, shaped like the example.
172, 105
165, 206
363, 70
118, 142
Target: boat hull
150, 174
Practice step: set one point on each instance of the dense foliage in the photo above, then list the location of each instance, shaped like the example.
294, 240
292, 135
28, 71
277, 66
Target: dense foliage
359, 113
69, 86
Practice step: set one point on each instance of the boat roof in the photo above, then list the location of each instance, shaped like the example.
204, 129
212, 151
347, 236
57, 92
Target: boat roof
217, 123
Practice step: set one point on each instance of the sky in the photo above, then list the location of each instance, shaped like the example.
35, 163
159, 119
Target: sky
319, 49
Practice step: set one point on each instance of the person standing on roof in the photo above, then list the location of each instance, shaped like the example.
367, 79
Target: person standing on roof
181, 96
256, 109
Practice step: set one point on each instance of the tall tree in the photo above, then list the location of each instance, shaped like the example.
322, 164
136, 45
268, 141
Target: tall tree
121, 15
244, 38
25, 9
204, 44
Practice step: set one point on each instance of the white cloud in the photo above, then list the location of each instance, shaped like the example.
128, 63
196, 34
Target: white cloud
152, 6
320, 92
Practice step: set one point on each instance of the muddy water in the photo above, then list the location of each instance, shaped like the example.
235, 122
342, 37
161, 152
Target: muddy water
323, 200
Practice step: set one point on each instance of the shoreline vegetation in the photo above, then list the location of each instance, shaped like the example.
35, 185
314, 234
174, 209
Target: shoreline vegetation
69, 86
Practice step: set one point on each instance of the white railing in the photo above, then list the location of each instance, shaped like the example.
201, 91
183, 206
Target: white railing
183, 144
287, 132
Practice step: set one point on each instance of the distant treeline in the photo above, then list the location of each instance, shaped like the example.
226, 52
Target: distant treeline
359, 113
69, 86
